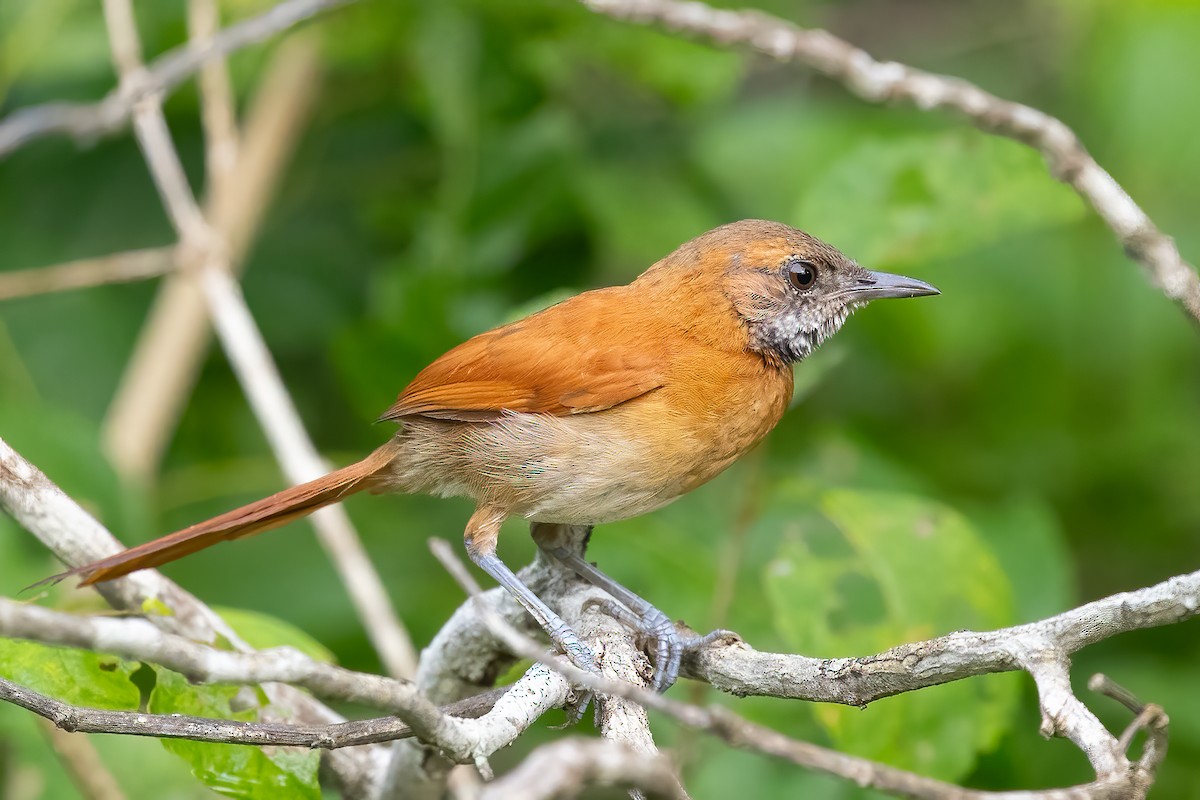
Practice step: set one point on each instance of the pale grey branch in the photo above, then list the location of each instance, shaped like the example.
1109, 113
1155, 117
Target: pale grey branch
737, 668
138, 639
87, 121
566, 767
888, 81
333, 736
134, 265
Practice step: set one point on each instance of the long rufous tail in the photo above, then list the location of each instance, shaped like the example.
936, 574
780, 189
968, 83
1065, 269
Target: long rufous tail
262, 515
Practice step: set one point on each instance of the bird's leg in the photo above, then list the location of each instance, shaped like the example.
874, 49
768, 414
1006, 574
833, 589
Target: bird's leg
632, 610
480, 539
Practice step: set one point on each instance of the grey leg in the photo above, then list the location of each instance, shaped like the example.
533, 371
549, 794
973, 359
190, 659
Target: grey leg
559, 632
480, 540
641, 615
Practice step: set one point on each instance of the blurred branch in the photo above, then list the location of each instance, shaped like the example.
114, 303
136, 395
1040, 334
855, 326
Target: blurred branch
83, 764
133, 265
87, 121
175, 337
277, 414
217, 108
564, 768
888, 81
206, 246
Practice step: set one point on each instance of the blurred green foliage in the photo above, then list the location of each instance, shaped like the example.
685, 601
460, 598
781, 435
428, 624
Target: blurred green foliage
471, 158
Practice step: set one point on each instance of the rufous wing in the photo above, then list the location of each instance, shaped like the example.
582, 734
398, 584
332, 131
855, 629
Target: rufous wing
573, 358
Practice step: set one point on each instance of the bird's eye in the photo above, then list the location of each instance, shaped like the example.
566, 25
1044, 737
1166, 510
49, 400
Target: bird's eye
801, 274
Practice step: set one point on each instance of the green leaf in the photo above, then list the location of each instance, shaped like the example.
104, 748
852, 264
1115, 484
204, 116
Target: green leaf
877, 569
907, 200
229, 769
78, 677
262, 631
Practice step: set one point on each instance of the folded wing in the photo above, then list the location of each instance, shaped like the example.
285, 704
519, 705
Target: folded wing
576, 357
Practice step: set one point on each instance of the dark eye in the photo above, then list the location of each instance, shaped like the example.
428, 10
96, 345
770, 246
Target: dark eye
801, 274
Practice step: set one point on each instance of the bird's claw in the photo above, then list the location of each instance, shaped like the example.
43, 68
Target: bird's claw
582, 657
668, 646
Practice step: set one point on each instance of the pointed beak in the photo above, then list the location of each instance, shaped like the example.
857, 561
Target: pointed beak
877, 285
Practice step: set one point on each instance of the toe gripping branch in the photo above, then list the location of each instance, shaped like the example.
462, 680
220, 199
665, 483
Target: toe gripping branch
639, 615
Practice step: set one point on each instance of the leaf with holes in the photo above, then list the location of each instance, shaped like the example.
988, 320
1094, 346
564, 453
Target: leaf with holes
78, 677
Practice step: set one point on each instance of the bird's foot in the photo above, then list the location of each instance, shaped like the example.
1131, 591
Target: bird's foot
569, 644
576, 651
668, 646
659, 630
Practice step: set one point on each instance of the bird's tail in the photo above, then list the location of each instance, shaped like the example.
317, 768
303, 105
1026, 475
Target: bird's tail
262, 515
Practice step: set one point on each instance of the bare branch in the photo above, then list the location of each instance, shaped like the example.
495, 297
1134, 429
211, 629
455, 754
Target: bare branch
140, 640
888, 81
217, 107
468, 730
87, 121
566, 767
621, 720
134, 265
1076, 629
463, 657
334, 736
739, 669
1150, 718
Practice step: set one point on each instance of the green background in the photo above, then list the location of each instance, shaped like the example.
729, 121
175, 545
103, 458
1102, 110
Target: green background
1023, 443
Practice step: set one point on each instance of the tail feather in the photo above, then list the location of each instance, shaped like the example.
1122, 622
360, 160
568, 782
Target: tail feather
262, 515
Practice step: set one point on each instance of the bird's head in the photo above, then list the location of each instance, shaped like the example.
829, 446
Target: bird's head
791, 290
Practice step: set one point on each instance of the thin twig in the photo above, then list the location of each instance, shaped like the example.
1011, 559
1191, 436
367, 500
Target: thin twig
140, 640
217, 109
86, 121
134, 265
888, 81
334, 736
252, 360
171, 347
295, 452
1106, 686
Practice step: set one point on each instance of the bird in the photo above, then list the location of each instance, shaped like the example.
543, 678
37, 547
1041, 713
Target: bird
606, 406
